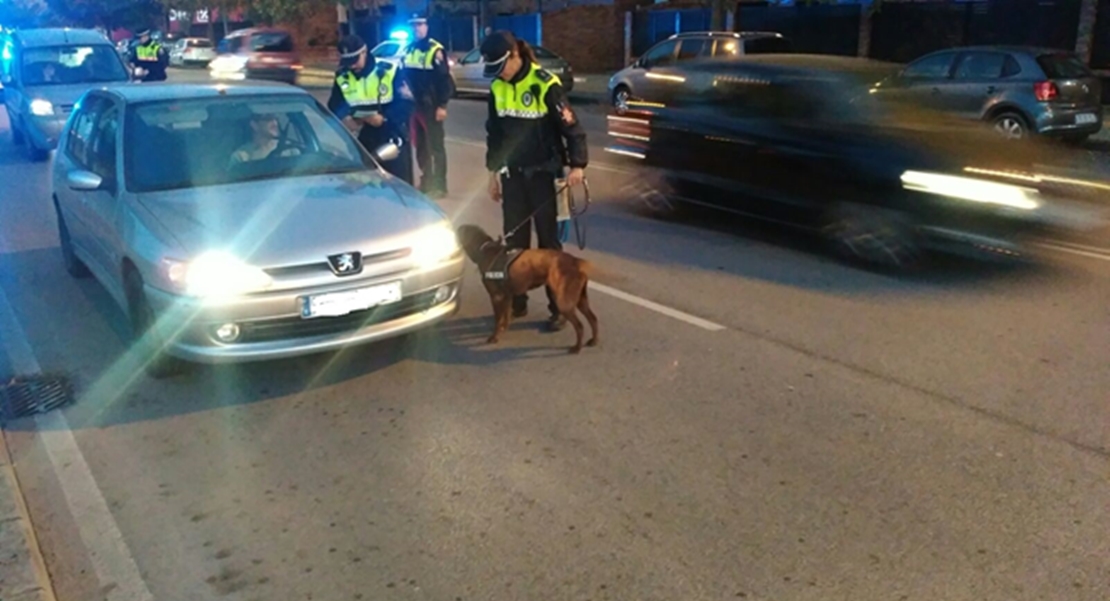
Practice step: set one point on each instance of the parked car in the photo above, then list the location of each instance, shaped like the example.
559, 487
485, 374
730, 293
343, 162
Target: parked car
258, 53
466, 73
649, 77
390, 51
192, 52
224, 250
46, 73
1019, 91
798, 139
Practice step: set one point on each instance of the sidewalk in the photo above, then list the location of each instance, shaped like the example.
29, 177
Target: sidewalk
23, 575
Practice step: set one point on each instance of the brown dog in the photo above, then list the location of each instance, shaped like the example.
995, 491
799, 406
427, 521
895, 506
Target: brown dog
566, 275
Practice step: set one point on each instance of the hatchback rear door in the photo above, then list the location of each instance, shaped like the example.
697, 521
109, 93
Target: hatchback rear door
1075, 84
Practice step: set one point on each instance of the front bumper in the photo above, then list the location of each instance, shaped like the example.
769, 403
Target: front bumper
272, 327
43, 132
1062, 121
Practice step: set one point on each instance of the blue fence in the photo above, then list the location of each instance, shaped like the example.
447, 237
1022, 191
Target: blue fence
653, 26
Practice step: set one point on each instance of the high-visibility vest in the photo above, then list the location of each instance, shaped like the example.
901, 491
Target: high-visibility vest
372, 90
519, 100
422, 60
148, 51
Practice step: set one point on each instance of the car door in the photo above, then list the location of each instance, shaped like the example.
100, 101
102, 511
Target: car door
979, 78
650, 75
102, 206
73, 204
923, 82
13, 89
468, 73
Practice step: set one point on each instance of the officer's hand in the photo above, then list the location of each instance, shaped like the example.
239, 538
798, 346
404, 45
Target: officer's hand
441, 114
374, 120
495, 187
576, 176
351, 125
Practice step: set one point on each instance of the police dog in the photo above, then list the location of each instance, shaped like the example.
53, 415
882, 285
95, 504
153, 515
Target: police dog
565, 274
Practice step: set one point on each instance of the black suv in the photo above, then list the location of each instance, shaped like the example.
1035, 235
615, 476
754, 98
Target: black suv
1019, 91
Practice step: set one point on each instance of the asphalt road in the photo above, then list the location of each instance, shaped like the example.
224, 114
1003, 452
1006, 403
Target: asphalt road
760, 422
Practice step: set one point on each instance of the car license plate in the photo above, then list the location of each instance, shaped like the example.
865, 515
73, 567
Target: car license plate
1086, 118
335, 304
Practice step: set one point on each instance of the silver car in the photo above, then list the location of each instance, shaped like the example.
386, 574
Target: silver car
192, 52
243, 223
466, 73
44, 72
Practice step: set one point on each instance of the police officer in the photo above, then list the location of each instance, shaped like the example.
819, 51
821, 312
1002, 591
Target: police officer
532, 136
374, 100
425, 64
150, 56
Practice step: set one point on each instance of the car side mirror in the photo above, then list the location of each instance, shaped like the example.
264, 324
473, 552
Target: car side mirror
84, 181
387, 152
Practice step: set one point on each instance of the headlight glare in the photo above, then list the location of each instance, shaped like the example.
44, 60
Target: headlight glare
41, 108
972, 189
216, 274
434, 245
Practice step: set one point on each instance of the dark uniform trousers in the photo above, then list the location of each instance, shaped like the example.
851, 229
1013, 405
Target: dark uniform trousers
522, 194
431, 150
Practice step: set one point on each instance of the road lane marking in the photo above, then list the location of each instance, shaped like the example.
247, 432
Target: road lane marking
693, 320
104, 545
597, 166
1102, 255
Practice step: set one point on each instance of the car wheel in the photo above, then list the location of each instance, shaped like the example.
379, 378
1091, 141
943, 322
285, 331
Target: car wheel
621, 97
149, 346
73, 265
877, 237
1010, 126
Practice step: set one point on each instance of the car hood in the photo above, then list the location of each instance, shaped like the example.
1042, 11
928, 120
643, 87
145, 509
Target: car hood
293, 221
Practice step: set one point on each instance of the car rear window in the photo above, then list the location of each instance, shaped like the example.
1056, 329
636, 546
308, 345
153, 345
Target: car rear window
271, 42
200, 44
1062, 66
544, 53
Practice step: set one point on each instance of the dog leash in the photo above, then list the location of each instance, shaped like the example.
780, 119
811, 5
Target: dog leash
579, 228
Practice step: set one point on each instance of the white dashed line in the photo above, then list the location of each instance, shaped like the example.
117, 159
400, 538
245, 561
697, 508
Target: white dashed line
1083, 251
704, 324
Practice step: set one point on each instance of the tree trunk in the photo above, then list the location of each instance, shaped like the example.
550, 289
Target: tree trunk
1084, 39
717, 15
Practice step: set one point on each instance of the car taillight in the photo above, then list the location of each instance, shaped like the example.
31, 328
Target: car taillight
1045, 91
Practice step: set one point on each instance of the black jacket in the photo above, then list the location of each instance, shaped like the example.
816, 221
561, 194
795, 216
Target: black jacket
432, 87
550, 143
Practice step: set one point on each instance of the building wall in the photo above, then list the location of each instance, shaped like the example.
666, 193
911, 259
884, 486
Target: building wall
591, 38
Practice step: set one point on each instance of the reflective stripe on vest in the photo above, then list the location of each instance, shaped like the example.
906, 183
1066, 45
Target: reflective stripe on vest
372, 90
518, 100
148, 52
420, 59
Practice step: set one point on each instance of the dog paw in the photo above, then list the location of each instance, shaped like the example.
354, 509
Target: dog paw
592, 342
493, 340
574, 350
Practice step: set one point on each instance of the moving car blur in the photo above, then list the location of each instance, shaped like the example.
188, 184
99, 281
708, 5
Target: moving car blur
1019, 91
466, 73
799, 139
261, 229
192, 52
45, 72
265, 53
649, 75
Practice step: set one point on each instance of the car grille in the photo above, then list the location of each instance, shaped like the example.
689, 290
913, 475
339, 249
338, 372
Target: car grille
296, 327
322, 266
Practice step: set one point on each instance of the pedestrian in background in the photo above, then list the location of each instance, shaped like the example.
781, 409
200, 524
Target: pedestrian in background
150, 56
533, 136
428, 73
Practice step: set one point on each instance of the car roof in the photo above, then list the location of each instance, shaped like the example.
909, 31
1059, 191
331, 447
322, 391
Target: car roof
35, 38
1032, 50
153, 92
254, 30
728, 34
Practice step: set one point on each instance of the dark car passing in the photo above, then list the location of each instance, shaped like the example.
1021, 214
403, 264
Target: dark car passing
799, 140
1018, 91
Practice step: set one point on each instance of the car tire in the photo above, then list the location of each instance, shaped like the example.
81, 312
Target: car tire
621, 96
879, 238
74, 267
1010, 125
148, 345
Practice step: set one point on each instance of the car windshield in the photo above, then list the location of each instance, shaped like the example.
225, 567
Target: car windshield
271, 42
1062, 66
58, 65
386, 50
230, 140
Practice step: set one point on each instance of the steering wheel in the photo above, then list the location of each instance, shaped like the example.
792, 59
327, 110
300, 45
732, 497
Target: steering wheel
284, 145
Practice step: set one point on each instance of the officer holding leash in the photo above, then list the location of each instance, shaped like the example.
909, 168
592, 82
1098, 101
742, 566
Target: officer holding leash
532, 136
148, 58
374, 100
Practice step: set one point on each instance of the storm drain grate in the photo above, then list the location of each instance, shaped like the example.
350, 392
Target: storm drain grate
27, 395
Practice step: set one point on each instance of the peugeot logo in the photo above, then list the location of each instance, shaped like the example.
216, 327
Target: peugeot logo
346, 263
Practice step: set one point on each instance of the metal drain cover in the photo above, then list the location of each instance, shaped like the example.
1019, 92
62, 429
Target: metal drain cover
27, 395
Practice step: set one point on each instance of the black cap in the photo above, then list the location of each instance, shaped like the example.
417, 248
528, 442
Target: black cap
495, 50
350, 47
142, 32
418, 19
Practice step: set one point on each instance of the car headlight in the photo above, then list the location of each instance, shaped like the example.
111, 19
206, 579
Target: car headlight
216, 274
434, 245
41, 108
972, 189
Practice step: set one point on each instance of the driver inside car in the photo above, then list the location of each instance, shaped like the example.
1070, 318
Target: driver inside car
265, 134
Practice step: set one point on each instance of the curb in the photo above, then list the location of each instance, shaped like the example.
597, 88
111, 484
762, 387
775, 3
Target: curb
23, 573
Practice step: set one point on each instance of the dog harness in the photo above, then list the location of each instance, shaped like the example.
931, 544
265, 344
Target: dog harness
497, 271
